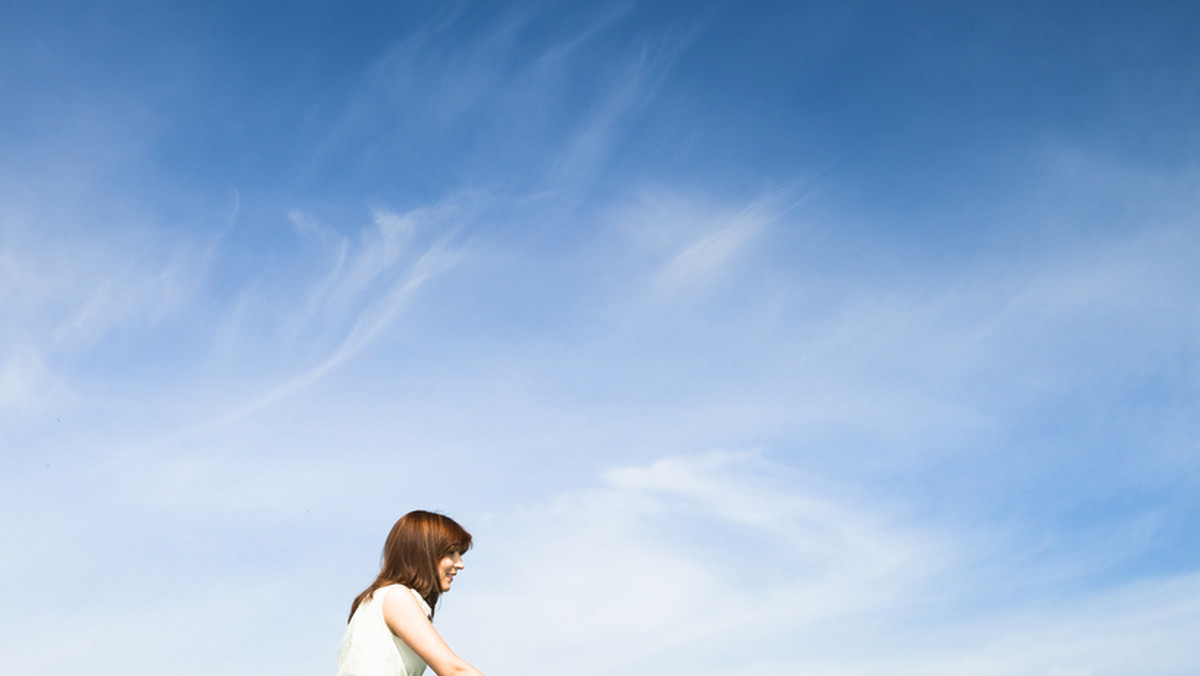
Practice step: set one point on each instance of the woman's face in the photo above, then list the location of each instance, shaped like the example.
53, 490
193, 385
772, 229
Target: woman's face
448, 567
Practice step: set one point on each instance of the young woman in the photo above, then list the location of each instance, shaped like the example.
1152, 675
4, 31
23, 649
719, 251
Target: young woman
391, 632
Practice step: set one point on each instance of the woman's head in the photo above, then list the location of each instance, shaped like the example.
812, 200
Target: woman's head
423, 551
416, 546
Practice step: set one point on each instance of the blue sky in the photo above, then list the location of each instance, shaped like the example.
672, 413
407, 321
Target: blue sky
821, 338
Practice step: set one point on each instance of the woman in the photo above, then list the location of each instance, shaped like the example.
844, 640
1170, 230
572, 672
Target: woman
390, 632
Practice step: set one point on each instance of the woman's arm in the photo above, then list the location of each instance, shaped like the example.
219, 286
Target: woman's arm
406, 619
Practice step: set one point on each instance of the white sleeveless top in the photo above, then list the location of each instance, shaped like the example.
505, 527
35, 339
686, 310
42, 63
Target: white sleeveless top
369, 648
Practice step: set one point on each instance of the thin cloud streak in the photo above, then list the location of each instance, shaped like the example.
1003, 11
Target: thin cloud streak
584, 153
373, 287
711, 253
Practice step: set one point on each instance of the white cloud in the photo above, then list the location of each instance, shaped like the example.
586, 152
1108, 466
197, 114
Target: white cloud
704, 258
361, 296
689, 554
719, 563
629, 88
680, 245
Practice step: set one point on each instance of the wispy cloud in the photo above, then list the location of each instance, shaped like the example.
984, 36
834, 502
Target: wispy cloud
629, 89
364, 291
616, 567
514, 80
722, 554
709, 254
62, 297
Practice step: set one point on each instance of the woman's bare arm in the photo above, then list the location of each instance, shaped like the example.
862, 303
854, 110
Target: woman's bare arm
406, 619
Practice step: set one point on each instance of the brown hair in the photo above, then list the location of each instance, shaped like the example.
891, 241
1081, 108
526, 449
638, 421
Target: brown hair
418, 541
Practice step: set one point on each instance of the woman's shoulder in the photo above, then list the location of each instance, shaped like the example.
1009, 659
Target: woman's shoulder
383, 591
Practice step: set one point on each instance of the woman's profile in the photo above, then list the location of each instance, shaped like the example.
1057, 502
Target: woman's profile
391, 630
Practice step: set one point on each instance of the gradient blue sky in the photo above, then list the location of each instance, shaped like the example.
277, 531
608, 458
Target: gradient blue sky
759, 337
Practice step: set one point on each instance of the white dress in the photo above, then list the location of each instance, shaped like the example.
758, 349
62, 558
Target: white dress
369, 648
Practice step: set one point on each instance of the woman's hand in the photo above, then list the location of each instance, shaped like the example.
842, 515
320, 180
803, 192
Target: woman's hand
406, 618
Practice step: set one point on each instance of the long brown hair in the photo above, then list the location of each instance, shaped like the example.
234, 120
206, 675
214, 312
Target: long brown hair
417, 543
